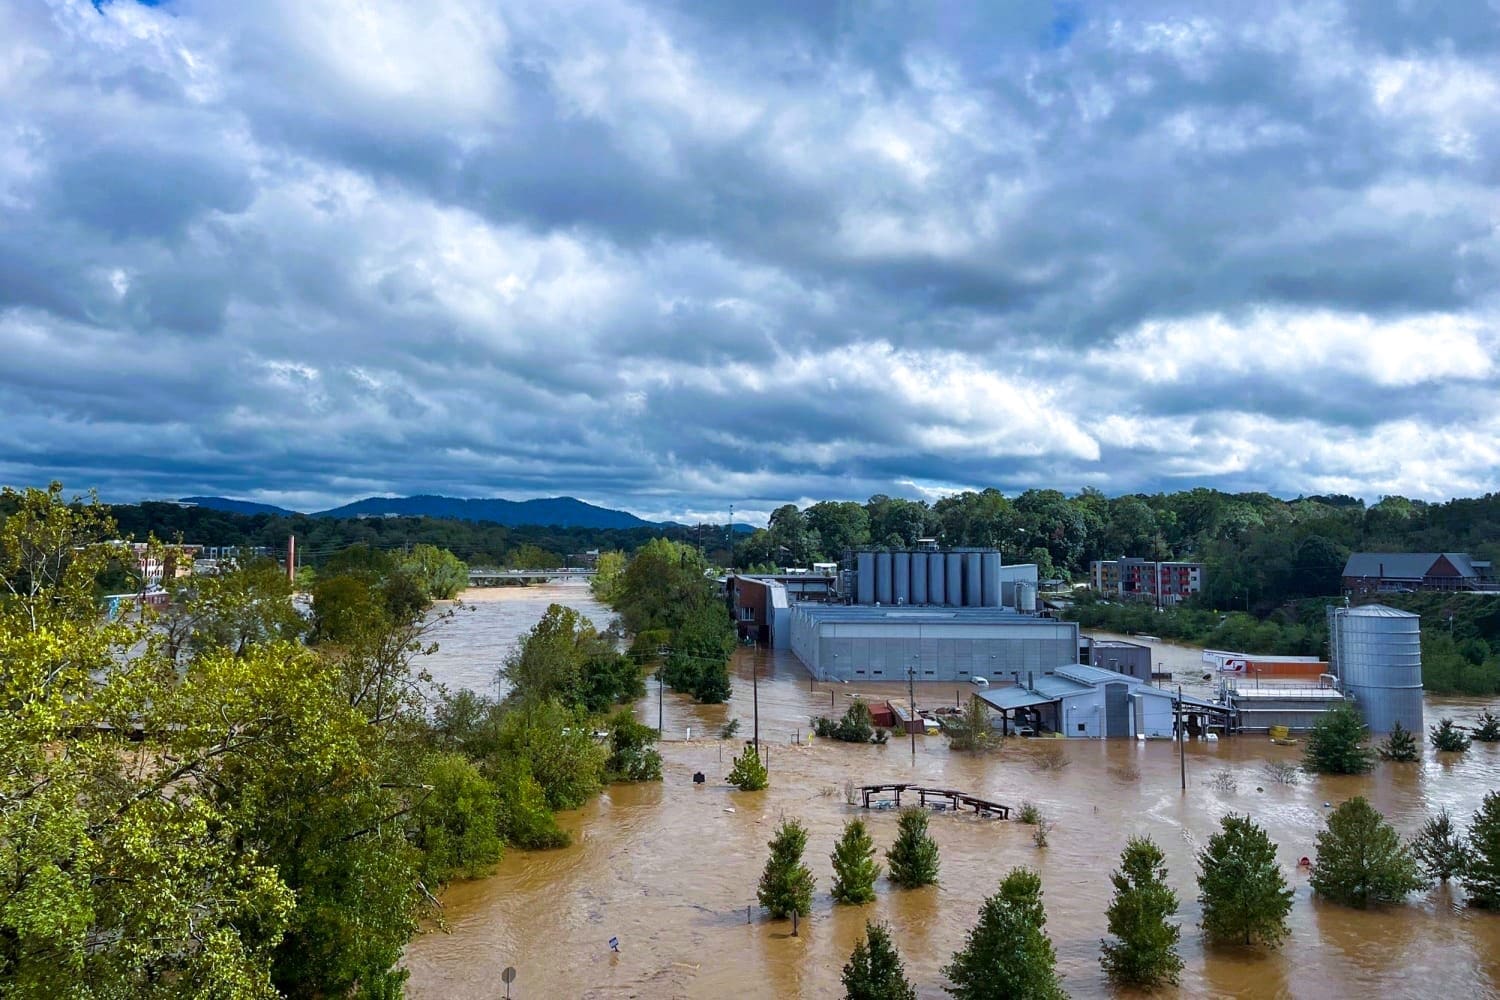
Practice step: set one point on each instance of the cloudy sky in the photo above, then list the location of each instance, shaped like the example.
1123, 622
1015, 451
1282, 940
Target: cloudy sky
673, 256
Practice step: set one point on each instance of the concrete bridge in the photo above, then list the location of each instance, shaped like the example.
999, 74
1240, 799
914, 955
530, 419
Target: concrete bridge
488, 577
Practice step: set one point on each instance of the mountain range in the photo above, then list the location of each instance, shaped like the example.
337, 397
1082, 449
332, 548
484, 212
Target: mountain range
564, 512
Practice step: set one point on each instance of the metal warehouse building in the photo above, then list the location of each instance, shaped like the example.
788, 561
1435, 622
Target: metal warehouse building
860, 642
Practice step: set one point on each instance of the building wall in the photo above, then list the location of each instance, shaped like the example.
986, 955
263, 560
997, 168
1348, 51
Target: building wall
1153, 713
949, 651
1125, 658
1083, 715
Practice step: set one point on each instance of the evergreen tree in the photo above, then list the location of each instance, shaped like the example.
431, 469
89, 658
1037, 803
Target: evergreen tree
874, 971
1244, 896
913, 858
786, 885
1446, 736
748, 773
1007, 953
1145, 950
1336, 744
854, 867
1401, 745
1361, 860
1486, 728
1439, 848
1482, 872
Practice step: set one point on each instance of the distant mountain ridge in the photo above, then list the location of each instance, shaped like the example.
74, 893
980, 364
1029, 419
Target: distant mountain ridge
562, 512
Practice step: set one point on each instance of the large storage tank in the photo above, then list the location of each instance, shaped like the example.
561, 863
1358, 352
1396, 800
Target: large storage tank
1025, 597
973, 589
1377, 655
937, 572
901, 583
883, 577
989, 567
865, 592
955, 579
919, 578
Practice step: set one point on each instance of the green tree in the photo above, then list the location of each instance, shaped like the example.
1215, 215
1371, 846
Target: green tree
856, 726
1482, 872
455, 825
439, 573
1361, 860
1486, 728
631, 755
912, 859
1007, 953
557, 743
1336, 743
609, 568
1243, 893
972, 732
1401, 745
1439, 848
662, 583
1144, 952
1448, 737
854, 867
786, 885
874, 970
748, 773
523, 816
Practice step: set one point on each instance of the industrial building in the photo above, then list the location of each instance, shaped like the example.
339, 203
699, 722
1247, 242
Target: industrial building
955, 578
1408, 572
1119, 656
1085, 702
1376, 654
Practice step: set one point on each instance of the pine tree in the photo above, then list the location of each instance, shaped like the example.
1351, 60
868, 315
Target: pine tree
854, 867
786, 886
1439, 848
1482, 873
1335, 745
1244, 895
913, 858
1361, 860
1007, 953
1486, 728
1401, 745
1145, 950
875, 971
1446, 736
748, 773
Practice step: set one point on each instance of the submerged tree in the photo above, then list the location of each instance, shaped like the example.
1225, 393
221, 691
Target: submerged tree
1244, 895
854, 866
1336, 743
1439, 848
1486, 728
1144, 952
1482, 870
1361, 860
913, 857
786, 885
972, 732
748, 773
1401, 745
1007, 953
874, 970
1446, 736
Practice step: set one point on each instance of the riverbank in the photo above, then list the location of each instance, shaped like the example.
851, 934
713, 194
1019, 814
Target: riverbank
669, 869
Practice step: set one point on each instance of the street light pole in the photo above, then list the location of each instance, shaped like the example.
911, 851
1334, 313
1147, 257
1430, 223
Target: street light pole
1181, 738
911, 696
755, 697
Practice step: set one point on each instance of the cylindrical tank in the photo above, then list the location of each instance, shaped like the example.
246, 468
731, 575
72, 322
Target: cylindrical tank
973, 591
901, 582
989, 568
866, 590
883, 577
919, 578
955, 581
936, 573
1025, 597
1378, 658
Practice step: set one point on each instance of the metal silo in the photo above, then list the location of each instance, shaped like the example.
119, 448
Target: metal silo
883, 577
901, 583
973, 589
1025, 597
1377, 653
936, 571
955, 581
866, 590
919, 578
989, 568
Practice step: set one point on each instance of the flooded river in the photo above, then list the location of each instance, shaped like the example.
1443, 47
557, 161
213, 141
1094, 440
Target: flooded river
670, 868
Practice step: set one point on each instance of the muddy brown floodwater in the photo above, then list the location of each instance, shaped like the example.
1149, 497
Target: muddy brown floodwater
670, 868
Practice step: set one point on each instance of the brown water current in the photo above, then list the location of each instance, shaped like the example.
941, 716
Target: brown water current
670, 868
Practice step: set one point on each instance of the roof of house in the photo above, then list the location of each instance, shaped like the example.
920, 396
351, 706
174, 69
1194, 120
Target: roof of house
1404, 565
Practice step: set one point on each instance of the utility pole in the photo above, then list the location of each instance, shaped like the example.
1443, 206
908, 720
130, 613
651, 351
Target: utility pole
1181, 739
911, 701
659, 686
755, 698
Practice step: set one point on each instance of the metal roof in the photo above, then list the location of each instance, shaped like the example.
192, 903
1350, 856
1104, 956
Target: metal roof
1094, 676
1056, 687
1008, 698
1404, 565
917, 615
1377, 611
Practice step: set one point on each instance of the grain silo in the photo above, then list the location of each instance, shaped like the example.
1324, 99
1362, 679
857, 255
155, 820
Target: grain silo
865, 591
955, 582
936, 574
973, 588
1376, 652
901, 577
990, 567
1025, 597
882, 578
919, 578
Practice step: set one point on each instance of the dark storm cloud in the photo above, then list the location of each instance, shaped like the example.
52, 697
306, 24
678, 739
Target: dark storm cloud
679, 255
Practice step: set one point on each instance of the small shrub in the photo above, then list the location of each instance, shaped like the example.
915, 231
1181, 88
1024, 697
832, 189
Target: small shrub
1223, 780
1482, 862
1439, 848
1051, 758
1281, 772
1448, 737
856, 726
1044, 826
1401, 745
729, 729
851, 792
1486, 728
1336, 743
748, 773
1126, 772
1030, 813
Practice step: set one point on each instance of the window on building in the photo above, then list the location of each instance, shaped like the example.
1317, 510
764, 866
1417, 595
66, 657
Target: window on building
1082, 727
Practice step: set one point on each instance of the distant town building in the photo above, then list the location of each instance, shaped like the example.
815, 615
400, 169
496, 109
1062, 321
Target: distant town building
1161, 582
1408, 572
